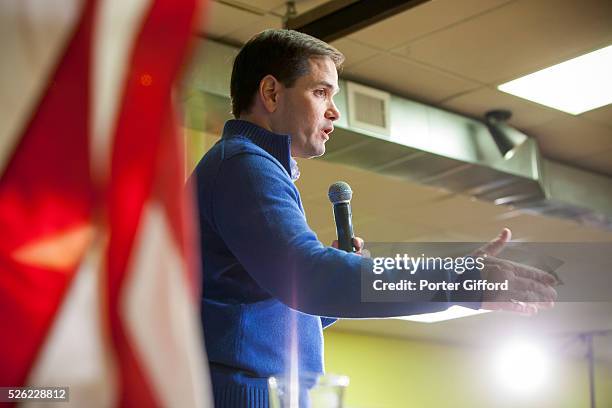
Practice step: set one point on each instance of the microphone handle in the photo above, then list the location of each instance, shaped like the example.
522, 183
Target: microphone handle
344, 226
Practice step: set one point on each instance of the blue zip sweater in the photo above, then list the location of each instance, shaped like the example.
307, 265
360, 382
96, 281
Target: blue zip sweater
266, 277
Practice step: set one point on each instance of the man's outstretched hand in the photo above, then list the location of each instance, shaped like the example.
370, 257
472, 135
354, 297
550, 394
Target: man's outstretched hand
529, 289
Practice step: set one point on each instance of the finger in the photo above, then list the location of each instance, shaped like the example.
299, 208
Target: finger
524, 308
532, 299
530, 272
358, 243
532, 291
500, 269
545, 305
497, 269
529, 309
518, 295
495, 246
540, 290
335, 244
511, 306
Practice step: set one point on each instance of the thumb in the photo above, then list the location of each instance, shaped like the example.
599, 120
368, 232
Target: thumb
496, 245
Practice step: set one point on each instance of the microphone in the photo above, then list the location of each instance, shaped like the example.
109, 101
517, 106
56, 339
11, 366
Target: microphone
340, 195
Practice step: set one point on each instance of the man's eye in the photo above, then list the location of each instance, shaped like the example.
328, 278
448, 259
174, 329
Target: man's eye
320, 92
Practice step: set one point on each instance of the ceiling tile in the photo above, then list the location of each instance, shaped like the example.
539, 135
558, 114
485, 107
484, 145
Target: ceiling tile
583, 233
518, 38
600, 162
353, 51
391, 229
571, 137
524, 227
380, 200
420, 20
444, 236
317, 175
482, 231
266, 5
223, 19
537, 228
524, 113
243, 34
442, 214
408, 78
373, 194
601, 115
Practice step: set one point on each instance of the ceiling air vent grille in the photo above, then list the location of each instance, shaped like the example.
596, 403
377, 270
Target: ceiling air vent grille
368, 108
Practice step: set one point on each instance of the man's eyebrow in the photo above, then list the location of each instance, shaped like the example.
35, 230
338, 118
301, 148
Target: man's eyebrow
329, 85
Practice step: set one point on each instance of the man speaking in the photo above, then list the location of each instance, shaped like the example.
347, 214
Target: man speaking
269, 285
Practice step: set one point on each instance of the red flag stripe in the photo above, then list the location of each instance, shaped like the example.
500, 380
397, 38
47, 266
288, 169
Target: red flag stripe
44, 192
178, 201
154, 65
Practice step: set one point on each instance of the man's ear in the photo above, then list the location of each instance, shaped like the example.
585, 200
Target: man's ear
269, 92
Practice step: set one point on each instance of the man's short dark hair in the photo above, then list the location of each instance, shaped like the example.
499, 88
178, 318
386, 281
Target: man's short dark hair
283, 54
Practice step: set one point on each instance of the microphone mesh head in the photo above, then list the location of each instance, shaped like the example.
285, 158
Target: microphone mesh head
340, 192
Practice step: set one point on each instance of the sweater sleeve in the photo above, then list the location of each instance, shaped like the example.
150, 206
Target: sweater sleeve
262, 224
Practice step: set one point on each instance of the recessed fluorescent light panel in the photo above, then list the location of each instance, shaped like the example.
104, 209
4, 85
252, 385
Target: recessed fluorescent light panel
574, 86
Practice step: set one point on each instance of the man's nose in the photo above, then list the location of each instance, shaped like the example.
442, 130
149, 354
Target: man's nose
332, 112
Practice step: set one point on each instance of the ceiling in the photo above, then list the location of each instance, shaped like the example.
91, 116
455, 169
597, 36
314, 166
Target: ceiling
453, 54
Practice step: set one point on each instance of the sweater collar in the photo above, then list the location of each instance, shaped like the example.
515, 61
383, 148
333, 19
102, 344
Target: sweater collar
278, 145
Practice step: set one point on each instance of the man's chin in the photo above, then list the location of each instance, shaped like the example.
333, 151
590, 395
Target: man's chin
317, 151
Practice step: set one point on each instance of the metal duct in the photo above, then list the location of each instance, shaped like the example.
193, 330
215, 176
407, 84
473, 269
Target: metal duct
424, 144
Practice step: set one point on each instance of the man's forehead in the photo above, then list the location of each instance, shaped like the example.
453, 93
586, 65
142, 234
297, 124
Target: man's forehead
323, 72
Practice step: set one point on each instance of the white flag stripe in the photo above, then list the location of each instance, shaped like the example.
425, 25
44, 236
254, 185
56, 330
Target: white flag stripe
33, 36
117, 24
76, 352
161, 316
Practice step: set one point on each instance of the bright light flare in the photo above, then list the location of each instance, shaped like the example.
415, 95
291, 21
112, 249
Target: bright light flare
522, 367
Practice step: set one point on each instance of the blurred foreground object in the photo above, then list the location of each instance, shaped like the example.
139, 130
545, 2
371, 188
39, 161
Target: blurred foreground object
307, 390
97, 283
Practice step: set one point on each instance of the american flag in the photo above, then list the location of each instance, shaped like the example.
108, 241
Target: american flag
97, 278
